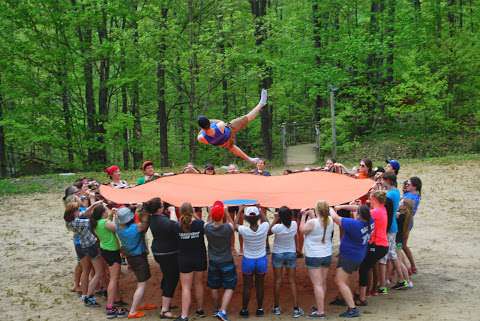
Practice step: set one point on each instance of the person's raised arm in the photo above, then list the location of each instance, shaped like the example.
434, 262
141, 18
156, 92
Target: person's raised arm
305, 228
276, 219
349, 207
228, 218
263, 214
336, 218
172, 213
237, 217
88, 211
144, 222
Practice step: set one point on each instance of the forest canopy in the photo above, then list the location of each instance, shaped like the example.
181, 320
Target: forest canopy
86, 83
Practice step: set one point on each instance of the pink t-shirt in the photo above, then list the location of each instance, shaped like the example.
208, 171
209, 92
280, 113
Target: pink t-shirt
379, 233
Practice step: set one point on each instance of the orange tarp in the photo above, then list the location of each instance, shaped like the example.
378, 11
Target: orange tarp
299, 190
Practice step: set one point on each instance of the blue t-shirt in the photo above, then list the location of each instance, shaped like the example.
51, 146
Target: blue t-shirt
394, 195
132, 240
354, 243
416, 200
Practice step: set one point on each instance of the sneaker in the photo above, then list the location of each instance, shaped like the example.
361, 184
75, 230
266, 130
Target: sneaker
410, 285
400, 285
382, 290
276, 311
121, 313
91, 302
315, 315
200, 313
244, 313
338, 301
124, 261
214, 314
181, 319
260, 313
350, 313
111, 313
297, 312
222, 316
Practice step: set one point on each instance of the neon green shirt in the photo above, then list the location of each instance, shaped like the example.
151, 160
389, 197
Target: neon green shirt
108, 239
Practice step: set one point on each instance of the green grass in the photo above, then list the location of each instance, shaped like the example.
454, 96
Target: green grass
55, 183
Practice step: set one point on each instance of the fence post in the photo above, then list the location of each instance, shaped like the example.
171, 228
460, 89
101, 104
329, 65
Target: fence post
284, 142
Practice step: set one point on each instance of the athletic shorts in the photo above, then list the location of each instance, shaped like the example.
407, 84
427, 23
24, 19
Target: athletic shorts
111, 257
91, 251
254, 266
287, 259
187, 264
347, 265
139, 266
222, 275
235, 126
392, 249
318, 262
78, 251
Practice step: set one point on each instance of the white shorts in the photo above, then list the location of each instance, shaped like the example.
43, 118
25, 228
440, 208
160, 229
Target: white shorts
392, 249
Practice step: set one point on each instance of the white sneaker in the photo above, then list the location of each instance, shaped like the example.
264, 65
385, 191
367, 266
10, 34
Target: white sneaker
254, 160
410, 285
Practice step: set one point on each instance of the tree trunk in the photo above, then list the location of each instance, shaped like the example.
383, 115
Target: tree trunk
375, 59
259, 10
3, 147
67, 116
124, 93
193, 69
89, 98
161, 99
390, 34
137, 151
317, 43
221, 50
104, 74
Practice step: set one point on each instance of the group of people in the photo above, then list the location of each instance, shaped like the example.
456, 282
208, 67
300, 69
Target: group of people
374, 233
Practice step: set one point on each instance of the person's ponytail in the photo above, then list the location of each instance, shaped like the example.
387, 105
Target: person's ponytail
186, 216
322, 211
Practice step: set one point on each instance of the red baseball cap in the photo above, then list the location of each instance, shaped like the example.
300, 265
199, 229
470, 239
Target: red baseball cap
112, 169
217, 211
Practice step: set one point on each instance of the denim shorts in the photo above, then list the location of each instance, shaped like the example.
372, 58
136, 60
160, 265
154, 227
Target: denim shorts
254, 266
347, 265
287, 259
221, 275
318, 262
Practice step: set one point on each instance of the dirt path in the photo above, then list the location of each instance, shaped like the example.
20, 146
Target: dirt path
37, 257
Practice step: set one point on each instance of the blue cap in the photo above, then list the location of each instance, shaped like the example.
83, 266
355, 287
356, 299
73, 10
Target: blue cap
394, 163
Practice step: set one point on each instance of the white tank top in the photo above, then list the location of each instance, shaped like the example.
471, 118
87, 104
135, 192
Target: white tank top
313, 246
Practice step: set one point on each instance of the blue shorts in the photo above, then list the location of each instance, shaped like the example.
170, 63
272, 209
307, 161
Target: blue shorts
318, 262
287, 259
254, 266
221, 275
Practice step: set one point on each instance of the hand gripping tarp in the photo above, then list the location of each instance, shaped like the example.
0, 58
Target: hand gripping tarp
299, 190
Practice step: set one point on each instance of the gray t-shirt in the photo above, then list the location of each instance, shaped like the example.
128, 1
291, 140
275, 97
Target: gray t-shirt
219, 241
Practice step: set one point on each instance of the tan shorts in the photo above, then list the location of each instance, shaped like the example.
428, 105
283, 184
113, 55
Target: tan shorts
235, 126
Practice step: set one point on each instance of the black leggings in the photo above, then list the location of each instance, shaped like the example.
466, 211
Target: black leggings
171, 274
374, 254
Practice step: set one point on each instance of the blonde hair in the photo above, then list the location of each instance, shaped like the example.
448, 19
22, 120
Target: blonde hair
380, 196
406, 208
322, 212
186, 215
70, 209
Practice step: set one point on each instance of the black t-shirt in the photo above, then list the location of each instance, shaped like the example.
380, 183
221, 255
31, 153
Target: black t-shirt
191, 243
164, 232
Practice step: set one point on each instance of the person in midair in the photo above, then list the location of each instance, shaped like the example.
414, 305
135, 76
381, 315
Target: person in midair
217, 132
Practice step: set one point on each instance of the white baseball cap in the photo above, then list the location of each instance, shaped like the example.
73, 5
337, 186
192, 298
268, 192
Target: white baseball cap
252, 211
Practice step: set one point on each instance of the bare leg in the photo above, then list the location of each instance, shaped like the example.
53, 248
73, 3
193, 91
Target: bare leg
277, 280
86, 266
227, 296
76, 278
260, 287
341, 278
409, 254
198, 280
137, 297
186, 280
235, 150
215, 300
293, 286
254, 112
318, 288
112, 290
247, 284
98, 266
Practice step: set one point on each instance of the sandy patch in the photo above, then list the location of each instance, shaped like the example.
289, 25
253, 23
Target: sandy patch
37, 259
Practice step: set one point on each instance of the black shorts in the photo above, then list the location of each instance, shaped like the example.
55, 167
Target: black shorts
140, 267
344, 213
91, 251
111, 257
347, 265
188, 264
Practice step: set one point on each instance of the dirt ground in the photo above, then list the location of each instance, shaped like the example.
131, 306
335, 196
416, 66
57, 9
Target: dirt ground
37, 259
